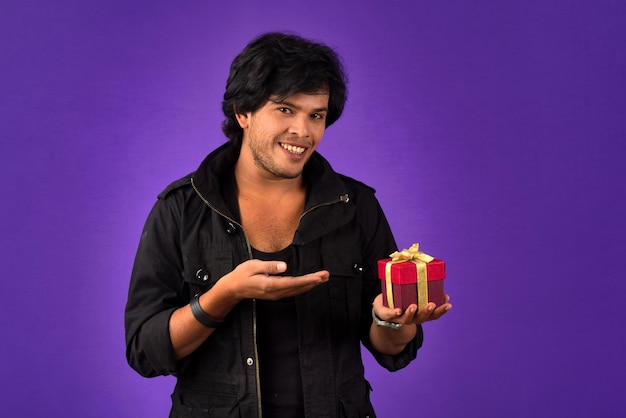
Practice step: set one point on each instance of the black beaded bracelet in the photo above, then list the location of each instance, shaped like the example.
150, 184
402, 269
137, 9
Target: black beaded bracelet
202, 316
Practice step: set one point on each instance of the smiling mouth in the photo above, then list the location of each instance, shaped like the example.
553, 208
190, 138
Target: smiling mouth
293, 149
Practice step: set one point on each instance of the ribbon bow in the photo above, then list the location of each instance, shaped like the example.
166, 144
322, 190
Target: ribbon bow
415, 256
411, 253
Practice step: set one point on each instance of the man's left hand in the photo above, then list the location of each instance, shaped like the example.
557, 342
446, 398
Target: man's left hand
411, 314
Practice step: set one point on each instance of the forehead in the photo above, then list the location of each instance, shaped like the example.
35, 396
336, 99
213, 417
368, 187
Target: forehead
316, 101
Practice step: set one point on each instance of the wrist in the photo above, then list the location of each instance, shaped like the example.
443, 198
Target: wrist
201, 316
227, 291
384, 324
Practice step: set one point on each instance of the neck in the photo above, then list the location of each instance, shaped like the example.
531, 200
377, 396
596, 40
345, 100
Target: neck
254, 181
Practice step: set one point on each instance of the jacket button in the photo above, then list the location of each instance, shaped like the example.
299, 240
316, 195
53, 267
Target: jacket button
231, 228
202, 275
357, 268
249, 361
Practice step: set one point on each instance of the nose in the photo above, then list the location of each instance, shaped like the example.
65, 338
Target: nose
300, 126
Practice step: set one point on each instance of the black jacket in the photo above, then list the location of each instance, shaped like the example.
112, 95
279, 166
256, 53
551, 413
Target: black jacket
192, 238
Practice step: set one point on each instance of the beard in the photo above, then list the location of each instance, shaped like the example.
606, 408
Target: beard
264, 158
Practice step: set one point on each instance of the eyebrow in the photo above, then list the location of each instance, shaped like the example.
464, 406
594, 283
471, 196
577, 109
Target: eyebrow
319, 109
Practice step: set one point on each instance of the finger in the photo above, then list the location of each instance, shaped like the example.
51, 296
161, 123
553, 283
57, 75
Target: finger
425, 314
440, 311
275, 267
306, 280
312, 279
409, 314
389, 314
431, 308
276, 287
322, 275
267, 268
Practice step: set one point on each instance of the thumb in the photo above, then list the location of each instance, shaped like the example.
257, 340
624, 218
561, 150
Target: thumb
274, 267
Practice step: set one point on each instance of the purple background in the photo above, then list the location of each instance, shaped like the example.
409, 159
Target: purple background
492, 130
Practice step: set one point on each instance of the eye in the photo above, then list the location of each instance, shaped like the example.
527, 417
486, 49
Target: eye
284, 110
318, 116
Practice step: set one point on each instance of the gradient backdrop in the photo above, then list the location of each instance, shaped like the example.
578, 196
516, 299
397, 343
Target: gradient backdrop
492, 130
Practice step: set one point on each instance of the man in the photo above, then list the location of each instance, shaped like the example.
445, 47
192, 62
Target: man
255, 279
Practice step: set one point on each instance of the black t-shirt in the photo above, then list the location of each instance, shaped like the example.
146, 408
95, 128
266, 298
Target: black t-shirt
277, 336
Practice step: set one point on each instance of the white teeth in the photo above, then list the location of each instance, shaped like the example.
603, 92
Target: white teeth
293, 149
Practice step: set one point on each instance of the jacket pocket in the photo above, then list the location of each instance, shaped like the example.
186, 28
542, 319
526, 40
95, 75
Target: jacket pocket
349, 409
345, 286
354, 401
183, 407
203, 267
202, 398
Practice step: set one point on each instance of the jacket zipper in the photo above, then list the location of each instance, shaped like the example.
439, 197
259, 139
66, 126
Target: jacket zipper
344, 198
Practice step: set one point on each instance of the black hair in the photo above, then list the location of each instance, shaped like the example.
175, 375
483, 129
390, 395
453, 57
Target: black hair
281, 64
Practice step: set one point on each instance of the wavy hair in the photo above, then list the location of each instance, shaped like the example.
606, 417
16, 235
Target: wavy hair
281, 64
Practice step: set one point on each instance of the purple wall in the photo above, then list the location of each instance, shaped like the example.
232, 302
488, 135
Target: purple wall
493, 132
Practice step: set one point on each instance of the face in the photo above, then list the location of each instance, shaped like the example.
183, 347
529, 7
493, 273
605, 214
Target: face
280, 137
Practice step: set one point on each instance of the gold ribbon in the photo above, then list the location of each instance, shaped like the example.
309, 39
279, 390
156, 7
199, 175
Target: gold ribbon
414, 255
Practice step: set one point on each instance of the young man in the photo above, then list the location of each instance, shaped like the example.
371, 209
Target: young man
255, 279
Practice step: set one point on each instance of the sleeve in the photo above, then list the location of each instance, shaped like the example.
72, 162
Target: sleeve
155, 292
378, 243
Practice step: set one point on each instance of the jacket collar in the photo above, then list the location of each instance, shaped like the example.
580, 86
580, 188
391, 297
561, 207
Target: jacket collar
214, 180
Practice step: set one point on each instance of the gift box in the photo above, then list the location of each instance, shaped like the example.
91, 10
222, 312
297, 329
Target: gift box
411, 276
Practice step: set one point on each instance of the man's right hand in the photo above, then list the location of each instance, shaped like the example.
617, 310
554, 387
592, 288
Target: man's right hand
252, 279
256, 279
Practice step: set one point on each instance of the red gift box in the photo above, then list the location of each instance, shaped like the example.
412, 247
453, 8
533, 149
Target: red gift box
411, 276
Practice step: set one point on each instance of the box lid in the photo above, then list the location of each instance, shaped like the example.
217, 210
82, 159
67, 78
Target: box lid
405, 272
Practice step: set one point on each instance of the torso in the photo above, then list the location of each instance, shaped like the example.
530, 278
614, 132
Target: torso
279, 364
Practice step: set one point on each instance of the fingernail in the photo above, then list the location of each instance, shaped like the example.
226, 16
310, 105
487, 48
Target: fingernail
281, 266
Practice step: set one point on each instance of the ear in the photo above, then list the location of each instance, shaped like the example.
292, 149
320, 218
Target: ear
242, 120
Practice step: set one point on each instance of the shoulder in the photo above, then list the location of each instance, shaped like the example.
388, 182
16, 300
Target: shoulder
321, 172
356, 184
181, 183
